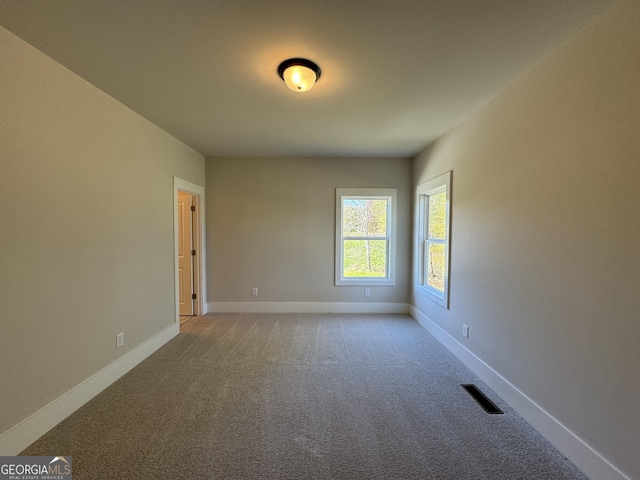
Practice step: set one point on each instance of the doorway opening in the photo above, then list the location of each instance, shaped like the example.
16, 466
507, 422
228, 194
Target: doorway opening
187, 265
189, 251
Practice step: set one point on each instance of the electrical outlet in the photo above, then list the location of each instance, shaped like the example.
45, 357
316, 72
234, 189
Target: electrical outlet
465, 331
367, 292
120, 340
254, 292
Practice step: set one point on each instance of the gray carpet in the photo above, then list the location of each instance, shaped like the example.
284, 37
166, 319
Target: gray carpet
258, 396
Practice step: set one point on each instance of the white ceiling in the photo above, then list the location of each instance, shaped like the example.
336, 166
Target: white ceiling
396, 74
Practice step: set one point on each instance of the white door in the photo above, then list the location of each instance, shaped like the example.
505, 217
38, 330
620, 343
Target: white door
185, 258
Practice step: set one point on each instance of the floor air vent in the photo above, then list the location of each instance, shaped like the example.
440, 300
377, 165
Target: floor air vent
481, 398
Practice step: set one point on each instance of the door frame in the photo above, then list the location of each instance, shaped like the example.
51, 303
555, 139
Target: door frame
199, 284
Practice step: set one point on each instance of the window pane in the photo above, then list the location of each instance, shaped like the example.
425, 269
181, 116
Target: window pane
437, 215
364, 217
435, 263
365, 258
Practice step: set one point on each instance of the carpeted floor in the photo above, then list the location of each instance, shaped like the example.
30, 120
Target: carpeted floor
323, 396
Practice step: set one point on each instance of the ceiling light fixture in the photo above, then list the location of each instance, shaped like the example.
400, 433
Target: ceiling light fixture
299, 74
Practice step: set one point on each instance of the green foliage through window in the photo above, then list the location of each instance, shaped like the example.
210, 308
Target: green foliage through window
365, 236
433, 238
364, 218
365, 258
437, 215
364, 230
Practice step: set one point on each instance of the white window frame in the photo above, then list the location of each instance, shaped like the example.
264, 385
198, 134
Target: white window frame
424, 191
389, 194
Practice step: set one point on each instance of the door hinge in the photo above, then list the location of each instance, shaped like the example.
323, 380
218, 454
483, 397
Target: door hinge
193, 296
193, 208
193, 253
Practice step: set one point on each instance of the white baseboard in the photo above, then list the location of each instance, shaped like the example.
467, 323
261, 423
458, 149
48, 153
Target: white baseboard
573, 447
306, 307
28, 431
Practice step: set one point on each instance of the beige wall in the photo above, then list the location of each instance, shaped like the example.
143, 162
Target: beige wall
86, 228
545, 257
271, 225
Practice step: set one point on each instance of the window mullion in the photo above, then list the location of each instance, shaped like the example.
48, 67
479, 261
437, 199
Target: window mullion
365, 238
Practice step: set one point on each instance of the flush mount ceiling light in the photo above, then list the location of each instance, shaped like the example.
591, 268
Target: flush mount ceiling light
299, 74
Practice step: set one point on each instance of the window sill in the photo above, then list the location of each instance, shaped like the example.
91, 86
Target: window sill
363, 282
437, 297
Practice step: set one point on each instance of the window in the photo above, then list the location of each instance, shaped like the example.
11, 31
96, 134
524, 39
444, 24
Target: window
433, 245
365, 236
